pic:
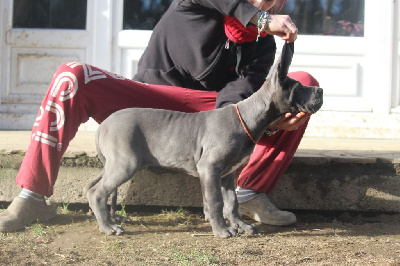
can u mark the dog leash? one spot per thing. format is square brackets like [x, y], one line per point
[243, 125]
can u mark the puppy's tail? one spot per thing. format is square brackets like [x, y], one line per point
[93, 182]
[98, 149]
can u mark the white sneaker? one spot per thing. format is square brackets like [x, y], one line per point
[262, 210]
[23, 212]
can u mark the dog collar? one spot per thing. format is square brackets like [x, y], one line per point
[243, 125]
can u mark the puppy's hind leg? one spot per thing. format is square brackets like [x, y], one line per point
[93, 182]
[113, 209]
[115, 174]
[231, 206]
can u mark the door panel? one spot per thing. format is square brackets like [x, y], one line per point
[33, 68]
[37, 37]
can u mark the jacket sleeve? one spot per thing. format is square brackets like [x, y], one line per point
[243, 10]
[251, 72]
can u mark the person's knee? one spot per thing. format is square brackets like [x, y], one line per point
[304, 78]
[71, 67]
[65, 66]
[65, 81]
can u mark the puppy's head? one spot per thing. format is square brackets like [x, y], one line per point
[289, 95]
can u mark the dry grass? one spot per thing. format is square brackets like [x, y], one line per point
[166, 238]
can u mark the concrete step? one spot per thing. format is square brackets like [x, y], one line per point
[326, 174]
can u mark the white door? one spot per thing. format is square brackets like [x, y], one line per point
[38, 36]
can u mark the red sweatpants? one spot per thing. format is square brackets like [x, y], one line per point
[79, 91]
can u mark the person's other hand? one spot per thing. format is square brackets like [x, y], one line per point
[282, 26]
[290, 122]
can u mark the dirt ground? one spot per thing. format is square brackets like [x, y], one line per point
[180, 237]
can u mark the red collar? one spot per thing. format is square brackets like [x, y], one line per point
[243, 125]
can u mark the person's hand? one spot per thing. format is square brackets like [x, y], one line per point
[282, 26]
[290, 122]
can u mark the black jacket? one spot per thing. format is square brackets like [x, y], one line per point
[188, 48]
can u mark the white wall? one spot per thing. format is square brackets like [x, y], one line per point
[360, 76]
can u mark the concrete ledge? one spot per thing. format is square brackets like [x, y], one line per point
[346, 184]
[308, 184]
[317, 179]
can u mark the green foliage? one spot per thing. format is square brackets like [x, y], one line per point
[195, 257]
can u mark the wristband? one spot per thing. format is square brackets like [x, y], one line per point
[271, 132]
[262, 22]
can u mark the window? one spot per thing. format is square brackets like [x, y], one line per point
[143, 14]
[54, 14]
[327, 17]
[312, 17]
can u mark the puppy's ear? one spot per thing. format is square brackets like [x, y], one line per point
[285, 60]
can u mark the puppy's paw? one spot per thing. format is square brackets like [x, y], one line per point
[234, 230]
[248, 229]
[106, 230]
[119, 230]
[222, 233]
[112, 229]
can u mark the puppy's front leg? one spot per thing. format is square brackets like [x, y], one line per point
[231, 205]
[210, 181]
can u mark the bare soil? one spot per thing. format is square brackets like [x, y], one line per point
[182, 238]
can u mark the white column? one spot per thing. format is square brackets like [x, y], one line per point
[380, 67]
[118, 13]
[1, 50]
[5, 25]
[396, 38]
[99, 23]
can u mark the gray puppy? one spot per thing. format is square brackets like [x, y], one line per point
[209, 145]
